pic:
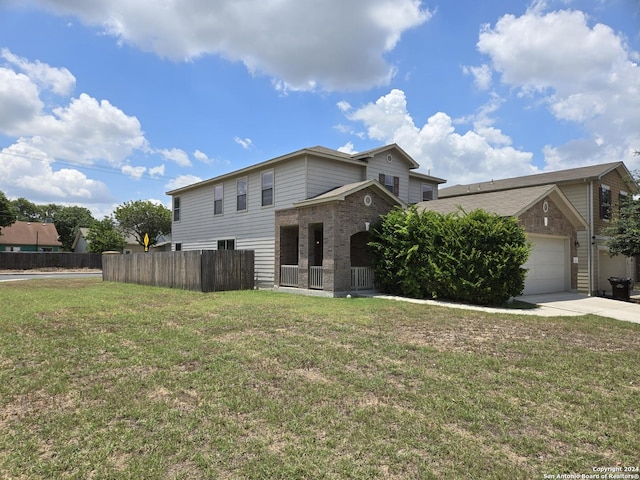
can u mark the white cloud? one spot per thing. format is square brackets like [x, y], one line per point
[59, 80]
[586, 74]
[483, 76]
[245, 143]
[202, 157]
[157, 171]
[134, 172]
[176, 155]
[331, 44]
[182, 181]
[437, 147]
[28, 172]
[20, 103]
[347, 148]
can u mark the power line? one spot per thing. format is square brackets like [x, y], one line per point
[96, 168]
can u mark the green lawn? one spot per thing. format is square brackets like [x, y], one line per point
[102, 380]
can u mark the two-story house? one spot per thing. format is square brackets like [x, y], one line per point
[306, 214]
[595, 192]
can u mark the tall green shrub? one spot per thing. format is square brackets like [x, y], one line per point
[475, 258]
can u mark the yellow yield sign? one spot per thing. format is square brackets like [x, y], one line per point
[146, 242]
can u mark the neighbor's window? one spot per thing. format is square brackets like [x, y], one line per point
[178, 246]
[176, 209]
[427, 192]
[242, 195]
[217, 199]
[267, 188]
[226, 244]
[391, 183]
[605, 202]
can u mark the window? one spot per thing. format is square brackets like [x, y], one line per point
[605, 202]
[178, 247]
[242, 195]
[176, 209]
[217, 199]
[427, 192]
[391, 183]
[267, 188]
[226, 244]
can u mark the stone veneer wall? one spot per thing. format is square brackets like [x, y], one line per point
[340, 220]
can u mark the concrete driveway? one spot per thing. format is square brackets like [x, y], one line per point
[558, 304]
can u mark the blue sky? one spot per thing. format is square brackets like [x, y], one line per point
[106, 101]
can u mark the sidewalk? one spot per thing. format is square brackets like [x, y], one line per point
[549, 305]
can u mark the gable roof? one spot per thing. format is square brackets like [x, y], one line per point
[360, 158]
[30, 233]
[507, 203]
[341, 193]
[593, 172]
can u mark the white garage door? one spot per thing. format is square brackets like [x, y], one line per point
[547, 266]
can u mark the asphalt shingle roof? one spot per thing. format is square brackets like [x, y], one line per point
[559, 177]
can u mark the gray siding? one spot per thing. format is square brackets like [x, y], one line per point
[396, 168]
[577, 195]
[415, 189]
[324, 175]
[253, 229]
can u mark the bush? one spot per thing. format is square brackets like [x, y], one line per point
[475, 258]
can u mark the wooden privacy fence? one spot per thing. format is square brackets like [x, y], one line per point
[199, 270]
[33, 260]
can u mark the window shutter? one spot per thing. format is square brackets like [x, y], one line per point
[396, 185]
[381, 178]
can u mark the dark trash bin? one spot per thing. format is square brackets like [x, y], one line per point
[621, 288]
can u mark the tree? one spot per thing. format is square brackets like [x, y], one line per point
[624, 229]
[7, 216]
[104, 236]
[26, 211]
[69, 220]
[142, 217]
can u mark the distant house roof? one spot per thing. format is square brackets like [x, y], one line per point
[30, 233]
[341, 193]
[593, 172]
[507, 203]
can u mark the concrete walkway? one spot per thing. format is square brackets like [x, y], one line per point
[580, 304]
[550, 305]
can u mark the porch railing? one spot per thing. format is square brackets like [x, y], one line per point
[361, 278]
[315, 277]
[289, 275]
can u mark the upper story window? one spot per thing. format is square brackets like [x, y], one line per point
[267, 188]
[241, 203]
[218, 193]
[391, 183]
[176, 209]
[605, 202]
[427, 192]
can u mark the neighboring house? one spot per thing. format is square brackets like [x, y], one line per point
[552, 225]
[594, 192]
[81, 245]
[305, 214]
[30, 237]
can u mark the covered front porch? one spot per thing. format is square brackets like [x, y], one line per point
[321, 244]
